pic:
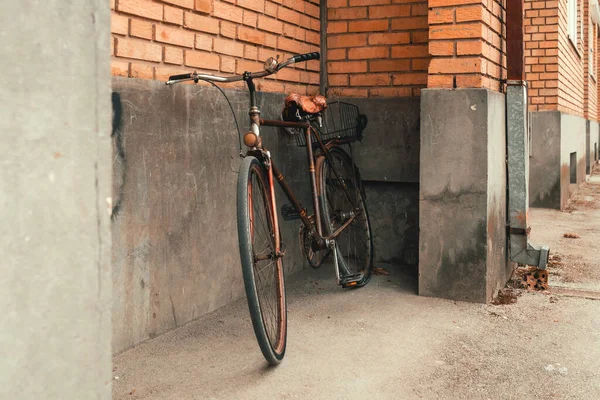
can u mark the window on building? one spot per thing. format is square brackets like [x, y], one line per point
[581, 22]
[572, 21]
[591, 52]
[573, 167]
[595, 51]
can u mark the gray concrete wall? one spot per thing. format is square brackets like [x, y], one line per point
[462, 205]
[573, 139]
[388, 158]
[55, 183]
[175, 253]
[555, 135]
[389, 151]
[394, 213]
[544, 159]
[592, 146]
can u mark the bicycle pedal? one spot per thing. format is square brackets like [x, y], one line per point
[351, 280]
[289, 213]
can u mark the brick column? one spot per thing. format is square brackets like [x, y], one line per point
[462, 205]
[376, 48]
[541, 54]
[467, 44]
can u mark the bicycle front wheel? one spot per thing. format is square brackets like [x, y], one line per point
[341, 198]
[262, 267]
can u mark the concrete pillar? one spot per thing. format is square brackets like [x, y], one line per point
[54, 184]
[591, 152]
[572, 155]
[462, 205]
[555, 138]
[544, 166]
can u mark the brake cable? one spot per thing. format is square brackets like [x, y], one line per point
[232, 112]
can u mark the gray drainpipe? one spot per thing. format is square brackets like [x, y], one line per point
[521, 250]
[323, 84]
[517, 143]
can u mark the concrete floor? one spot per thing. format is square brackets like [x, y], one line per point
[575, 262]
[385, 342]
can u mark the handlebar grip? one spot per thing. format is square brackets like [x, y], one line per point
[177, 77]
[308, 56]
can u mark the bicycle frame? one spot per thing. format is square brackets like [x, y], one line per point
[256, 122]
[271, 67]
[320, 156]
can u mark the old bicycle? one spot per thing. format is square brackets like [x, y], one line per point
[338, 229]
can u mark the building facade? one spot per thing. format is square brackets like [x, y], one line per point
[561, 57]
[431, 77]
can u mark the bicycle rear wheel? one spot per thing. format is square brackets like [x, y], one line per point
[338, 206]
[261, 266]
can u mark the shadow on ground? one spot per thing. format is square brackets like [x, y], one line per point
[381, 342]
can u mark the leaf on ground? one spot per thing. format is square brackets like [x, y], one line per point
[570, 235]
[506, 296]
[380, 271]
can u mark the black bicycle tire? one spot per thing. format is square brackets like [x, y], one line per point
[320, 172]
[247, 260]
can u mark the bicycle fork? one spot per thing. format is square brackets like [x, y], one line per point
[277, 238]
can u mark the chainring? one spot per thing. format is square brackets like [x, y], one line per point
[315, 259]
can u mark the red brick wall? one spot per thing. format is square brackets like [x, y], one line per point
[541, 53]
[596, 76]
[590, 89]
[593, 82]
[556, 68]
[467, 42]
[570, 66]
[153, 39]
[377, 47]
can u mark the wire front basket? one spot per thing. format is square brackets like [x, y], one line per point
[340, 121]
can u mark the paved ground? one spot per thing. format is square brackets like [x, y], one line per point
[575, 262]
[385, 342]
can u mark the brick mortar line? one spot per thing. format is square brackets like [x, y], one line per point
[129, 15]
[469, 56]
[183, 66]
[180, 47]
[213, 35]
[465, 40]
[179, 7]
[184, 28]
[469, 74]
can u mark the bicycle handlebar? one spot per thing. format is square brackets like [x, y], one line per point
[213, 78]
[307, 57]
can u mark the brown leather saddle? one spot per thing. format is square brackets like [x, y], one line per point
[297, 106]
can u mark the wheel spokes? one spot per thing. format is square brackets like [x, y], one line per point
[354, 241]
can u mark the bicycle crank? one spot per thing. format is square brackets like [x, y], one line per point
[314, 258]
[346, 280]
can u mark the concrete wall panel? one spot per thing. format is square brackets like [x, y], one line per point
[176, 156]
[462, 242]
[592, 146]
[573, 140]
[389, 151]
[54, 186]
[394, 215]
[174, 224]
[544, 167]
